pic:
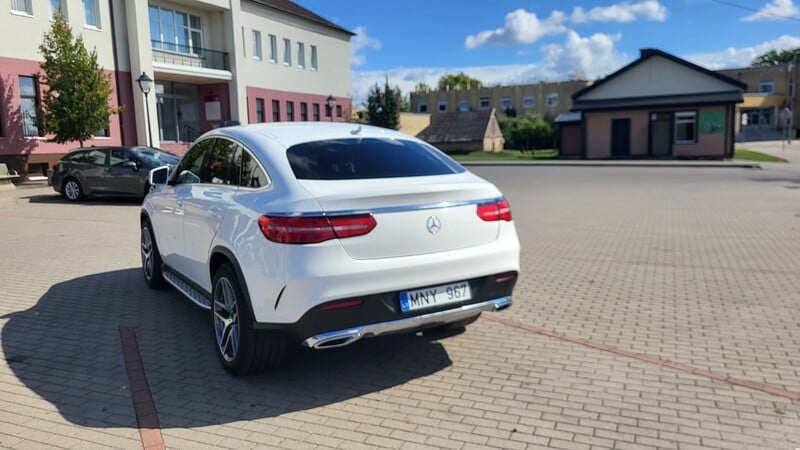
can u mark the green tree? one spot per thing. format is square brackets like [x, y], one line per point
[460, 81]
[384, 105]
[75, 101]
[774, 58]
[526, 133]
[422, 88]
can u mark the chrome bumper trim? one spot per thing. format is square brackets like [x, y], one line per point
[340, 338]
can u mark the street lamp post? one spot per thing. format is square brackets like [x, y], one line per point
[331, 103]
[145, 84]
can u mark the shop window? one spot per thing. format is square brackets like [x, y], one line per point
[685, 127]
[259, 110]
[29, 94]
[276, 111]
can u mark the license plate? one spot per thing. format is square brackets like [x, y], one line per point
[434, 296]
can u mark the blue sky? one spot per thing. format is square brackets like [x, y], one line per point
[513, 41]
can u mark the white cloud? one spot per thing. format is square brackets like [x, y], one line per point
[621, 12]
[775, 10]
[594, 56]
[742, 57]
[359, 42]
[521, 27]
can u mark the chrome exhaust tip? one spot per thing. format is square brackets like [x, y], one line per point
[333, 339]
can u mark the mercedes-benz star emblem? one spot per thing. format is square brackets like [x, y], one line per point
[434, 224]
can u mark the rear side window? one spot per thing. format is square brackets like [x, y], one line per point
[221, 167]
[95, 157]
[353, 159]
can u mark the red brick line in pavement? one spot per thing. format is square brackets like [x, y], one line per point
[146, 416]
[677, 266]
[772, 390]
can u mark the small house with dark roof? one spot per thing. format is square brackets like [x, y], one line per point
[659, 106]
[464, 132]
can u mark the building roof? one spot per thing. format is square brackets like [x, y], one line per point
[688, 100]
[453, 127]
[569, 117]
[296, 10]
[646, 54]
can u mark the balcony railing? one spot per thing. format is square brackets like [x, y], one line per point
[184, 55]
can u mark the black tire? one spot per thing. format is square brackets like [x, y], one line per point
[241, 349]
[72, 190]
[151, 258]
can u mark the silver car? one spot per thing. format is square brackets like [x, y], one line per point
[107, 171]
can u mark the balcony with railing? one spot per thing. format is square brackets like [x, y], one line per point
[184, 55]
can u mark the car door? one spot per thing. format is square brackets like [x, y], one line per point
[205, 208]
[92, 165]
[168, 206]
[124, 175]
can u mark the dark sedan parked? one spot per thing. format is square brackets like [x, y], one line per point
[107, 171]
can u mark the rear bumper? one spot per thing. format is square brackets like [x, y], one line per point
[340, 338]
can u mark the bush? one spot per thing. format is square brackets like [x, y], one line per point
[526, 133]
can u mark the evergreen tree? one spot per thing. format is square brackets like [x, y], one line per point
[75, 101]
[384, 105]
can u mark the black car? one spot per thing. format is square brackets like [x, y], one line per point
[107, 171]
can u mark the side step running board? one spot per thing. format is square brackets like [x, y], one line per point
[187, 290]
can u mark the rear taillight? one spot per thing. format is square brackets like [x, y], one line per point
[311, 230]
[493, 211]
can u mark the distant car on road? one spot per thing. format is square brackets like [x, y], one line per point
[107, 171]
[321, 234]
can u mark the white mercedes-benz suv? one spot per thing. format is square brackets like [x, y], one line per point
[320, 234]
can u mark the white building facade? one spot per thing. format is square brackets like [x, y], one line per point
[212, 62]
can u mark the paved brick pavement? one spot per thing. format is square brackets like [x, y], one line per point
[696, 266]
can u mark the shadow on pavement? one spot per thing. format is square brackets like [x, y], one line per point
[55, 198]
[67, 350]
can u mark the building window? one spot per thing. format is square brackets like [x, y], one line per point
[287, 52]
[257, 45]
[57, 6]
[313, 57]
[290, 111]
[685, 127]
[483, 103]
[29, 94]
[273, 48]
[442, 105]
[22, 7]
[315, 111]
[338, 110]
[301, 55]
[506, 103]
[91, 13]
[304, 111]
[422, 107]
[259, 110]
[552, 100]
[176, 31]
[766, 87]
[276, 111]
[528, 102]
[463, 105]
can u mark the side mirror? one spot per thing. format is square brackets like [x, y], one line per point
[158, 176]
[131, 165]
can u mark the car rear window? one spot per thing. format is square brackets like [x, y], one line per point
[353, 159]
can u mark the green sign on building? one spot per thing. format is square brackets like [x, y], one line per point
[712, 122]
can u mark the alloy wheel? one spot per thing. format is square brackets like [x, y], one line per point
[72, 190]
[226, 319]
[147, 253]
